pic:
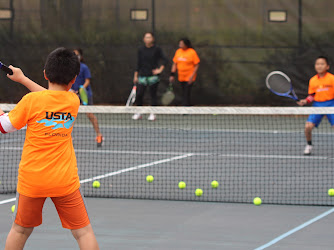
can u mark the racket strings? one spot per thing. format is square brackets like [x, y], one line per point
[279, 84]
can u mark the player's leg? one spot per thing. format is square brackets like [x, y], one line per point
[17, 237]
[139, 99]
[27, 215]
[186, 94]
[183, 86]
[85, 238]
[73, 215]
[92, 118]
[312, 121]
[154, 99]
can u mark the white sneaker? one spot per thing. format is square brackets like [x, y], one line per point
[308, 149]
[136, 116]
[152, 117]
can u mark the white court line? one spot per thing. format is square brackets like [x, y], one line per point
[136, 168]
[192, 154]
[296, 229]
[7, 201]
[121, 171]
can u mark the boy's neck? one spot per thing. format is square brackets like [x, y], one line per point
[57, 87]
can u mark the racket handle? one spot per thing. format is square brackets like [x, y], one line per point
[6, 69]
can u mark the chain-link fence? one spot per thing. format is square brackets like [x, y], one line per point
[238, 41]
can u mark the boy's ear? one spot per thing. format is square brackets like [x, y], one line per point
[46, 78]
[69, 86]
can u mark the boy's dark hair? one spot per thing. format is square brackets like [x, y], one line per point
[187, 42]
[151, 33]
[81, 58]
[323, 57]
[61, 66]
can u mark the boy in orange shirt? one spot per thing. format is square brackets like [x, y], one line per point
[48, 166]
[321, 93]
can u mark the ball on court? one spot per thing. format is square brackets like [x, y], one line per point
[13, 208]
[182, 185]
[257, 201]
[96, 184]
[199, 192]
[149, 178]
[214, 184]
[331, 192]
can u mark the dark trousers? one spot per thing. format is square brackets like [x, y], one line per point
[141, 91]
[186, 90]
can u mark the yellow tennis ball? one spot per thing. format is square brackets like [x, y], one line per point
[149, 178]
[96, 184]
[331, 192]
[13, 208]
[214, 184]
[257, 201]
[182, 185]
[199, 192]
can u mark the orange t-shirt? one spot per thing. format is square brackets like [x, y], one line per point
[185, 61]
[48, 166]
[323, 88]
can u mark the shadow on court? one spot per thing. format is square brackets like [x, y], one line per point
[147, 224]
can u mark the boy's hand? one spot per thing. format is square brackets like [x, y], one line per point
[17, 75]
[302, 102]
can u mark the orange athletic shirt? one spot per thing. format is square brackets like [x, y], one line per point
[323, 88]
[48, 166]
[185, 61]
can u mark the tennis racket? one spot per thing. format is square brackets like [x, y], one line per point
[83, 95]
[5, 68]
[168, 96]
[132, 97]
[280, 84]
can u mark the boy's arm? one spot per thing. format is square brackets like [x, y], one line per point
[19, 77]
[5, 124]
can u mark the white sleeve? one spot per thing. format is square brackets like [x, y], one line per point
[5, 124]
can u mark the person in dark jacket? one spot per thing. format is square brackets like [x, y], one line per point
[147, 73]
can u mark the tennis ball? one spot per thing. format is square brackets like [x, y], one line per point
[199, 192]
[149, 178]
[214, 184]
[96, 184]
[257, 201]
[182, 185]
[331, 192]
[13, 208]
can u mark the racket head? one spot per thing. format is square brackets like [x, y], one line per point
[280, 84]
[83, 95]
[132, 97]
[168, 96]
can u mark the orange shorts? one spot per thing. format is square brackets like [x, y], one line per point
[71, 210]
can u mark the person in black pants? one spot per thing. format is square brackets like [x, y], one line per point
[148, 71]
[186, 63]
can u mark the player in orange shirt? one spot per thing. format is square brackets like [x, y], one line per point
[48, 166]
[321, 93]
[186, 62]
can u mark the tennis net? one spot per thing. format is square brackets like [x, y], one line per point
[255, 151]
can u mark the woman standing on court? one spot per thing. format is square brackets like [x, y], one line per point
[83, 80]
[186, 63]
[148, 71]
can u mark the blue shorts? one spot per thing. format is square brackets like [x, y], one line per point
[316, 119]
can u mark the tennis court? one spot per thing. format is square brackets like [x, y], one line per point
[147, 224]
[249, 155]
